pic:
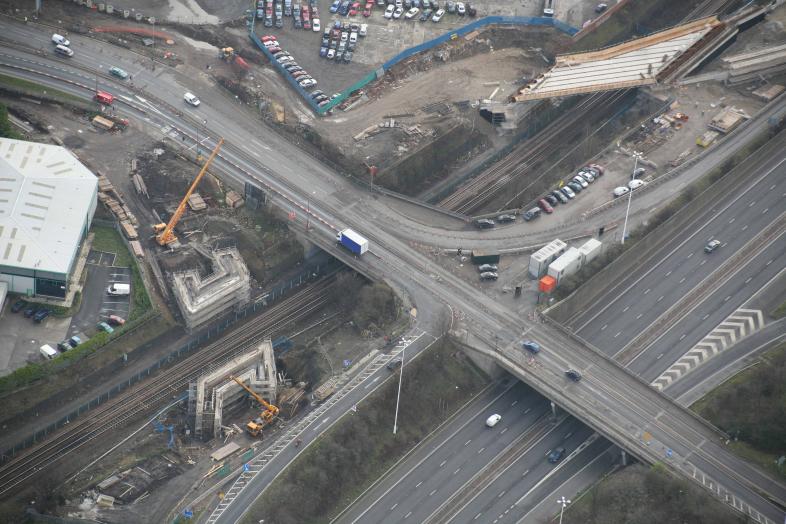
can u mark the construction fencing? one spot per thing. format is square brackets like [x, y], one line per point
[425, 46]
[309, 273]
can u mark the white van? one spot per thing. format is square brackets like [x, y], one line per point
[119, 289]
[48, 351]
[63, 50]
[60, 40]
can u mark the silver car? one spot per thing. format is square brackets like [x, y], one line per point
[488, 275]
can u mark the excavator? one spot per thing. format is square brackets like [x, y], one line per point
[254, 427]
[165, 232]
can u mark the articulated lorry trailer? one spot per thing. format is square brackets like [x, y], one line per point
[352, 241]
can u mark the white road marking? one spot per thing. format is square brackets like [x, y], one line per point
[604, 327]
[467, 442]
[393, 506]
[481, 450]
[648, 290]
[690, 255]
[618, 334]
[503, 431]
[443, 463]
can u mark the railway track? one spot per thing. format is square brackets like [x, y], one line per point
[497, 178]
[145, 396]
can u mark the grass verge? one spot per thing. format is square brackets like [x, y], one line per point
[648, 496]
[27, 88]
[751, 408]
[334, 470]
[780, 312]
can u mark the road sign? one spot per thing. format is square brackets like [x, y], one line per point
[187, 513]
[245, 466]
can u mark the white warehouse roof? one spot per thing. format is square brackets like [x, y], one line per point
[45, 196]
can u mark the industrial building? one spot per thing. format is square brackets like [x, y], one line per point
[213, 395]
[47, 202]
[203, 299]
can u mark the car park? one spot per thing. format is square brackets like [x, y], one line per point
[398, 12]
[493, 420]
[412, 13]
[559, 195]
[635, 184]
[532, 214]
[116, 71]
[484, 223]
[712, 245]
[619, 191]
[191, 99]
[484, 268]
[488, 275]
[572, 374]
[41, 314]
[556, 455]
[532, 347]
[503, 219]
[18, 306]
[568, 192]
[389, 11]
[545, 206]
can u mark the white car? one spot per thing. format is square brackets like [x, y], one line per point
[580, 181]
[493, 420]
[271, 43]
[344, 36]
[398, 12]
[353, 38]
[635, 184]
[191, 99]
[389, 11]
[315, 25]
[412, 13]
[438, 15]
[619, 191]
[363, 30]
[331, 54]
[460, 9]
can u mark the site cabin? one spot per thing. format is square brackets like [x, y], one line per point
[103, 97]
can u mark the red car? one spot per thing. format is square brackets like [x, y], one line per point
[545, 206]
[268, 38]
[274, 49]
[367, 10]
[354, 9]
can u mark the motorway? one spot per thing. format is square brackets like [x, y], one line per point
[609, 399]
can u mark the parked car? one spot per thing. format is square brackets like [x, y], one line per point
[532, 214]
[103, 326]
[64, 346]
[493, 420]
[485, 268]
[347, 57]
[568, 192]
[398, 12]
[586, 175]
[425, 15]
[316, 25]
[575, 186]
[116, 71]
[412, 13]
[484, 223]
[572, 374]
[363, 30]
[471, 11]
[545, 206]
[41, 314]
[488, 275]
[580, 181]
[556, 455]
[323, 51]
[601, 7]
[635, 184]
[268, 38]
[353, 38]
[712, 245]
[460, 9]
[559, 195]
[597, 167]
[551, 199]
[532, 347]
[334, 6]
[18, 306]
[115, 320]
[619, 191]
[354, 9]
[639, 172]
[451, 5]
[74, 341]
[29, 312]
[389, 11]
[438, 15]
[503, 219]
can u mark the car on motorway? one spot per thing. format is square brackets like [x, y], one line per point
[60, 40]
[389, 11]
[556, 455]
[545, 206]
[493, 420]
[635, 184]
[412, 13]
[484, 223]
[532, 214]
[438, 15]
[191, 99]
[18, 306]
[559, 195]
[41, 314]
[489, 275]
[507, 218]
[620, 191]
[116, 71]
[483, 268]
[568, 192]
[712, 245]
[63, 50]
[572, 374]
[532, 347]
[393, 365]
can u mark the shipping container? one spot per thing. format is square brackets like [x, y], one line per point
[591, 249]
[540, 260]
[565, 265]
[352, 241]
[482, 257]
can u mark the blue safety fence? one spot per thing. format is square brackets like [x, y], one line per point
[451, 35]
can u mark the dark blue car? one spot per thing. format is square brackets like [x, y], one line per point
[323, 51]
[334, 6]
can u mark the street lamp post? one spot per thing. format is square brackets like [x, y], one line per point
[564, 503]
[413, 317]
[630, 196]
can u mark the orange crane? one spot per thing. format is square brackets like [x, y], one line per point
[166, 231]
[254, 427]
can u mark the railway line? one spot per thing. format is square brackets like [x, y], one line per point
[478, 191]
[147, 395]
